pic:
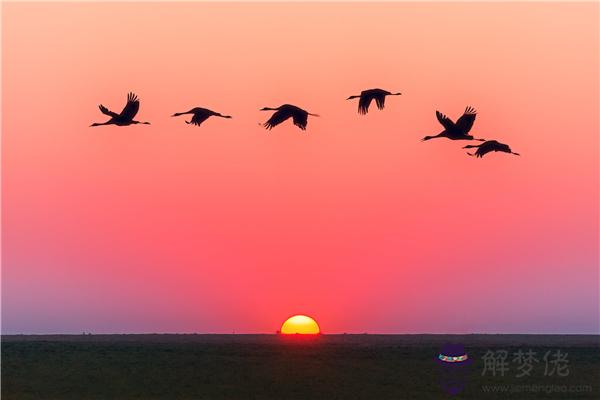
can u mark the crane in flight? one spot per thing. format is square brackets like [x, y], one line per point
[284, 112]
[458, 130]
[366, 96]
[489, 146]
[126, 116]
[200, 115]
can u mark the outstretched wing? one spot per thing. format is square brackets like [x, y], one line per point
[486, 147]
[277, 118]
[106, 111]
[482, 151]
[380, 100]
[363, 103]
[465, 122]
[199, 118]
[131, 108]
[301, 119]
[445, 121]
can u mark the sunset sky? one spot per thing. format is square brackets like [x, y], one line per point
[228, 227]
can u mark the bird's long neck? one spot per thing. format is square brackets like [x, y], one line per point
[435, 136]
[353, 97]
[100, 123]
[183, 113]
[270, 109]
[395, 94]
[222, 116]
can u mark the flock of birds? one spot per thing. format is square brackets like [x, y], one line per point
[458, 130]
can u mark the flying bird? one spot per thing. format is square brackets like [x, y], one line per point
[126, 116]
[200, 115]
[458, 130]
[366, 96]
[286, 111]
[489, 146]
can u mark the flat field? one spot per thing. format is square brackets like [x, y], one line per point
[345, 367]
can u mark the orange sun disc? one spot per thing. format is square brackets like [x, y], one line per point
[300, 324]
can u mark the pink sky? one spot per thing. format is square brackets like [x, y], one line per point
[228, 227]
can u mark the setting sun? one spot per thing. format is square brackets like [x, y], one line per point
[300, 324]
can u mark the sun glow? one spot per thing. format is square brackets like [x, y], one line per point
[300, 324]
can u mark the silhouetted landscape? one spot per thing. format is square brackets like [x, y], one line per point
[273, 366]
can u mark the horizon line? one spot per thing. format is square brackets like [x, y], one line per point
[278, 334]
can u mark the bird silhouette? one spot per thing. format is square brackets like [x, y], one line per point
[286, 111]
[489, 146]
[366, 96]
[126, 116]
[458, 130]
[200, 115]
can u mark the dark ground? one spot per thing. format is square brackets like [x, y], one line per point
[276, 367]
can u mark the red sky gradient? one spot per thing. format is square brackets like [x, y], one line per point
[229, 227]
